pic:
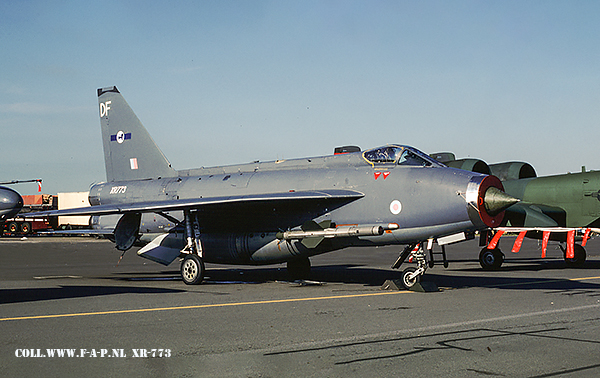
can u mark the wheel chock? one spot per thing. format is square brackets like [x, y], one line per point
[425, 287]
[420, 287]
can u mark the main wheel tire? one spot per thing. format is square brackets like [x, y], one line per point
[192, 270]
[491, 259]
[579, 256]
[299, 268]
[407, 282]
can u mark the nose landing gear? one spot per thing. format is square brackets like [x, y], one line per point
[412, 276]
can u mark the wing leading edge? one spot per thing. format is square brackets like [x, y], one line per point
[271, 199]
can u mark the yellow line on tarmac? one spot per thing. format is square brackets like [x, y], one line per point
[584, 278]
[233, 304]
[199, 306]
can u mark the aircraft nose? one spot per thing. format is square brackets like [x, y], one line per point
[11, 203]
[496, 201]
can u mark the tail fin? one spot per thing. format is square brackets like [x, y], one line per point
[129, 151]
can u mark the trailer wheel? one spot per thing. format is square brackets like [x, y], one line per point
[13, 227]
[26, 227]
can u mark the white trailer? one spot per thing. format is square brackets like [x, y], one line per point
[71, 200]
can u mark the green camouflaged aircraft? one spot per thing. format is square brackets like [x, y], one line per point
[569, 200]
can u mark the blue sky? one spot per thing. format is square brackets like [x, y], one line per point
[225, 82]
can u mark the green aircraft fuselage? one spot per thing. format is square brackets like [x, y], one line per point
[566, 200]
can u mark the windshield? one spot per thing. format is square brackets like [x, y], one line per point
[387, 154]
[411, 158]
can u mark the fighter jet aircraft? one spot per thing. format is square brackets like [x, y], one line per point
[551, 207]
[11, 203]
[284, 210]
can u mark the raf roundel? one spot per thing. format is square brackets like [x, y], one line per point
[395, 207]
[120, 137]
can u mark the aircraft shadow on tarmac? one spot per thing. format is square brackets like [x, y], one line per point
[374, 277]
[323, 274]
[513, 283]
[534, 265]
[349, 273]
[75, 291]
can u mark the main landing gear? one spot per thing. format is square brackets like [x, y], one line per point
[192, 266]
[579, 256]
[491, 259]
[192, 269]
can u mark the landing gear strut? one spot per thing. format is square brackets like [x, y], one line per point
[192, 266]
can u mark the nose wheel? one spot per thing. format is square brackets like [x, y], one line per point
[411, 276]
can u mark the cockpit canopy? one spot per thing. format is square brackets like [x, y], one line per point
[399, 155]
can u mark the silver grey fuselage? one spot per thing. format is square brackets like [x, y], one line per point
[432, 203]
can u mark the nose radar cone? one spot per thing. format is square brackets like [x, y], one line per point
[496, 201]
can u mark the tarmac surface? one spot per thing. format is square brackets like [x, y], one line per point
[532, 318]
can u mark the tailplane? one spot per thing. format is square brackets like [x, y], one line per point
[129, 151]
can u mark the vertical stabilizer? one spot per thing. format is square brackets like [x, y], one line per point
[129, 151]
